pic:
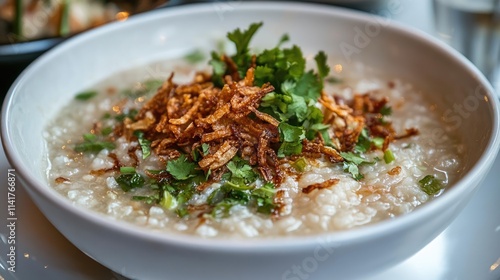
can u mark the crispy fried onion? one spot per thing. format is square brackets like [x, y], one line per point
[183, 118]
[348, 120]
[326, 184]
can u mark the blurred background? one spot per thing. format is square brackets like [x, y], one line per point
[28, 28]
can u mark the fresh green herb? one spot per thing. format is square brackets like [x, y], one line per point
[86, 95]
[130, 181]
[222, 209]
[241, 169]
[91, 144]
[89, 137]
[300, 164]
[168, 201]
[352, 162]
[181, 168]
[378, 142]
[364, 142]
[144, 143]
[291, 137]
[388, 156]
[106, 131]
[195, 56]
[241, 40]
[127, 170]
[430, 185]
[386, 111]
[263, 198]
[219, 69]
[205, 149]
[321, 62]
[182, 201]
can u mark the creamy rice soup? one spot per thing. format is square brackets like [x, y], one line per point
[251, 146]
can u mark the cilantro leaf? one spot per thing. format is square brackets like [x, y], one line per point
[263, 198]
[386, 110]
[205, 148]
[323, 68]
[181, 168]
[241, 169]
[353, 169]
[308, 86]
[242, 39]
[219, 69]
[92, 144]
[352, 162]
[144, 143]
[364, 142]
[130, 181]
[290, 133]
[284, 38]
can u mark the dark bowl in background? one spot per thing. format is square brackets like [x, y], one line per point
[15, 57]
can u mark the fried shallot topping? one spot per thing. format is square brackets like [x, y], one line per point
[250, 123]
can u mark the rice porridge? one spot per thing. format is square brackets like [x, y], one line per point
[241, 157]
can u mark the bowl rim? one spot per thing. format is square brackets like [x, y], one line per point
[356, 235]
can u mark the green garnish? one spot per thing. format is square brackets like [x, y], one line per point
[364, 142]
[241, 169]
[321, 62]
[181, 168]
[86, 95]
[263, 198]
[127, 170]
[386, 111]
[106, 131]
[352, 162]
[292, 137]
[144, 143]
[378, 142]
[293, 103]
[130, 181]
[168, 201]
[195, 56]
[205, 148]
[388, 156]
[300, 164]
[91, 144]
[430, 185]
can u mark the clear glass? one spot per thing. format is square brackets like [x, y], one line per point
[473, 28]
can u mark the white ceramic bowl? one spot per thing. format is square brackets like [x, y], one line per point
[348, 37]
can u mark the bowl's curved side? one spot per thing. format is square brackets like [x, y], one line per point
[52, 80]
